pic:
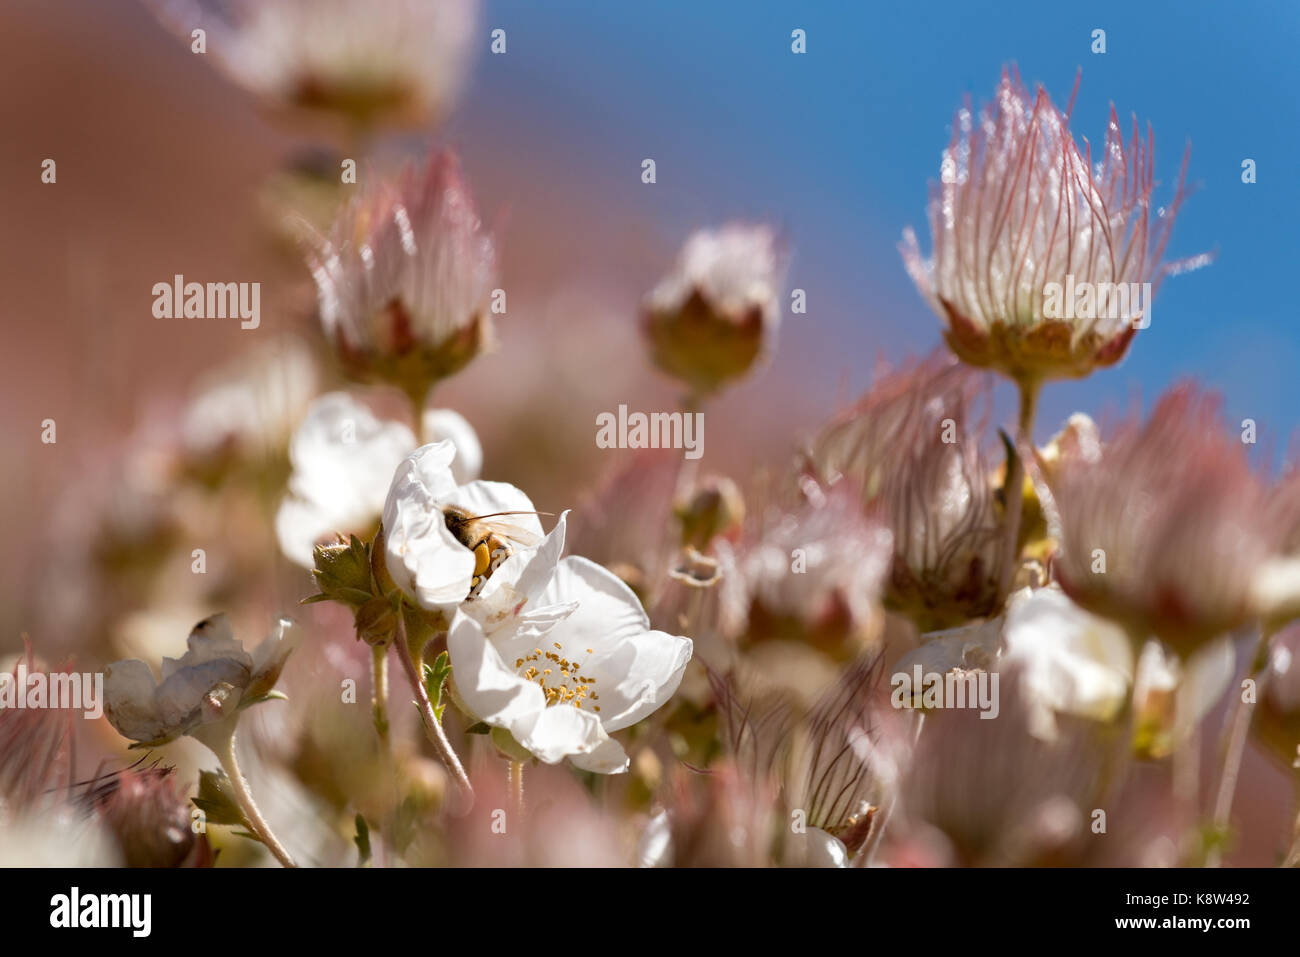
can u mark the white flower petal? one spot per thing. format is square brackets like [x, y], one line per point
[1074, 662]
[446, 425]
[557, 732]
[510, 590]
[492, 690]
[343, 462]
[129, 688]
[608, 757]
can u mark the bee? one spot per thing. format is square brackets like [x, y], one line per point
[489, 541]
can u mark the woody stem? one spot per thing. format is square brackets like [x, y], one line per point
[432, 726]
[1235, 743]
[225, 752]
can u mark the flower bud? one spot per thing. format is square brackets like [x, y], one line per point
[714, 507]
[342, 572]
[716, 313]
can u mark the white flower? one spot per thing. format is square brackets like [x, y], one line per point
[250, 406]
[581, 662]
[814, 848]
[447, 425]
[343, 461]
[213, 680]
[426, 561]
[1172, 695]
[1074, 662]
[398, 60]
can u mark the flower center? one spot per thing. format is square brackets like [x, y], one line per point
[561, 679]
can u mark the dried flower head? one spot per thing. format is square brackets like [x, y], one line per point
[1017, 208]
[911, 449]
[212, 681]
[404, 278]
[717, 311]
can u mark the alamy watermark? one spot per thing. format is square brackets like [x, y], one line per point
[652, 430]
[179, 299]
[930, 690]
[67, 691]
[1130, 301]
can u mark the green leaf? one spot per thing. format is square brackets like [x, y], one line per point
[216, 800]
[435, 676]
[362, 841]
[269, 696]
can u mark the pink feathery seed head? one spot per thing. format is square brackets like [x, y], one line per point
[1021, 218]
[405, 277]
[35, 743]
[911, 446]
[150, 817]
[1165, 527]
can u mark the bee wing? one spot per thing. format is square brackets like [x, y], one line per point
[520, 536]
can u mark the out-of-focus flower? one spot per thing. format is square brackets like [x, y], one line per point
[1165, 529]
[1277, 717]
[720, 818]
[434, 550]
[395, 61]
[561, 825]
[717, 311]
[911, 451]
[1073, 662]
[1171, 696]
[149, 818]
[813, 573]
[832, 779]
[35, 744]
[343, 461]
[447, 425]
[213, 680]
[714, 507]
[1017, 208]
[584, 662]
[61, 836]
[973, 647]
[989, 793]
[248, 410]
[404, 278]
[813, 847]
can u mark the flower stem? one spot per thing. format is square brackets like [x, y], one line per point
[1293, 855]
[1014, 488]
[432, 726]
[1235, 744]
[379, 696]
[517, 788]
[225, 752]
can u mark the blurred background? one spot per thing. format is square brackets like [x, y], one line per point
[161, 163]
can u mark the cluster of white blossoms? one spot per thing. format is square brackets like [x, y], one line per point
[556, 651]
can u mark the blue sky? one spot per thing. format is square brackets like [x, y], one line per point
[838, 145]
